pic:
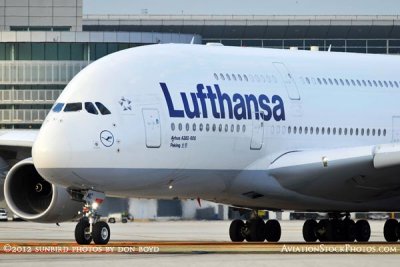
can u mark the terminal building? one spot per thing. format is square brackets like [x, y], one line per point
[45, 43]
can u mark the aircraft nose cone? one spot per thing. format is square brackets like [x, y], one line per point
[51, 151]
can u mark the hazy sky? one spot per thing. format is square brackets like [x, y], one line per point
[256, 7]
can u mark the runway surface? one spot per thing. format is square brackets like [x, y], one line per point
[183, 243]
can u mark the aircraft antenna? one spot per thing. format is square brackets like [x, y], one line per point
[330, 47]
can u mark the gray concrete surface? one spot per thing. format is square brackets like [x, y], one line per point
[181, 231]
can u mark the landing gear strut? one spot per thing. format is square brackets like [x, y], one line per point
[255, 230]
[89, 226]
[338, 228]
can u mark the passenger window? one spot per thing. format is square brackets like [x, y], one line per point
[317, 130]
[234, 77]
[369, 83]
[222, 76]
[201, 127]
[362, 132]
[379, 132]
[72, 107]
[103, 110]
[58, 107]
[245, 78]
[228, 77]
[358, 82]
[216, 76]
[328, 131]
[345, 131]
[232, 128]
[237, 128]
[391, 84]
[340, 131]
[173, 126]
[311, 130]
[334, 131]
[240, 77]
[244, 128]
[375, 84]
[220, 128]
[323, 130]
[294, 129]
[207, 127]
[353, 82]
[306, 130]
[319, 80]
[214, 127]
[373, 132]
[347, 82]
[336, 82]
[324, 81]
[364, 83]
[385, 83]
[342, 82]
[180, 126]
[300, 130]
[194, 127]
[187, 127]
[308, 80]
[396, 84]
[289, 130]
[91, 108]
[351, 131]
[368, 132]
[226, 127]
[356, 131]
[330, 81]
[384, 132]
[380, 83]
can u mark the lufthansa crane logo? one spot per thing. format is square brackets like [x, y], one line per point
[107, 138]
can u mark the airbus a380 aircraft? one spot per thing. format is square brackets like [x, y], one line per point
[252, 128]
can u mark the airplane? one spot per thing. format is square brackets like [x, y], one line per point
[254, 128]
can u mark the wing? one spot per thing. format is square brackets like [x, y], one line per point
[352, 174]
[15, 145]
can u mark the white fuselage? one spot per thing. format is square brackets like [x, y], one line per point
[152, 146]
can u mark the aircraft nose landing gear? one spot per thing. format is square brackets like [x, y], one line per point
[89, 227]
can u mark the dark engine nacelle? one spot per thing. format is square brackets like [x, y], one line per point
[32, 198]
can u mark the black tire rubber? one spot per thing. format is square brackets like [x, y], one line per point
[236, 231]
[309, 230]
[256, 230]
[324, 231]
[390, 230]
[82, 236]
[349, 228]
[363, 231]
[101, 233]
[273, 231]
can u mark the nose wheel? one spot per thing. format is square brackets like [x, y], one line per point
[90, 228]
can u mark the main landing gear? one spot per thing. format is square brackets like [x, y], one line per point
[255, 230]
[338, 228]
[89, 226]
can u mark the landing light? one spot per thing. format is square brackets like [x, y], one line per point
[95, 205]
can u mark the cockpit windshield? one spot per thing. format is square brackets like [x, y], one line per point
[90, 107]
[103, 110]
[58, 107]
[72, 107]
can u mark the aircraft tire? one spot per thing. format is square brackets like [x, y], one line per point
[390, 230]
[309, 228]
[101, 233]
[273, 231]
[236, 230]
[363, 231]
[82, 232]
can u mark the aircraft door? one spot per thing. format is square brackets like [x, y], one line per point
[288, 81]
[257, 137]
[396, 129]
[152, 126]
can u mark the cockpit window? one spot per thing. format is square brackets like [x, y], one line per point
[103, 110]
[71, 107]
[91, 108]
[58, 107]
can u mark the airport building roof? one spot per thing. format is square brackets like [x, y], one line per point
[256, 26]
